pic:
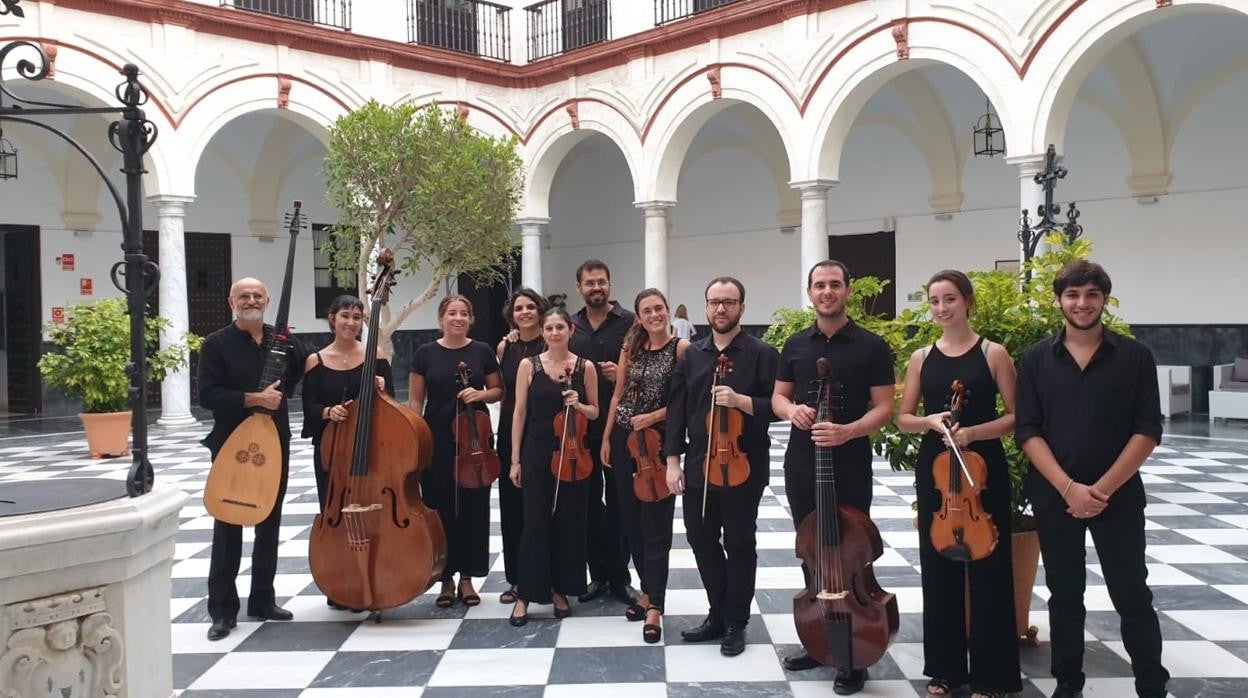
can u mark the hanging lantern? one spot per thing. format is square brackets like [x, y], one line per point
[8, 158]
[989, 136]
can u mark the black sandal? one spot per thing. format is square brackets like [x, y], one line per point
[445, 600]
[562, 612]
[986, 694]
[938, 687]
[469, 600]
[635, 613]
[653, 632]
[508, 597]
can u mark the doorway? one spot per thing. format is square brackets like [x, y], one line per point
[870, 254]
[488, 300]
[21, 334]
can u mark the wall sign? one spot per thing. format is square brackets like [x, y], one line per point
[85, 286]
[66, 261]
[58, 315]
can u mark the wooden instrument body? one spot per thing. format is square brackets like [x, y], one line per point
[406, 550]
[650, 478]
[571, 461]
[962, 529]
[476, 462]
[854, 631]
[727, 464]
[246, 475]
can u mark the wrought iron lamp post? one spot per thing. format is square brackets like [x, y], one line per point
[1030, 237]
[8, 158]
[136, 275]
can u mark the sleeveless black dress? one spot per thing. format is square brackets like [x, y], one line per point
[510, 499]
[993, 646]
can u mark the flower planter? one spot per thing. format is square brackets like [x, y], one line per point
[1026, 553]
[108, 433]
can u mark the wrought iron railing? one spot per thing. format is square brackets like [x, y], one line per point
[469, 26]
[331, 13]
[669, 10]
[558, 26]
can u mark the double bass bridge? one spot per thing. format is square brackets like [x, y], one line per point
[826, 595]
[360, 509]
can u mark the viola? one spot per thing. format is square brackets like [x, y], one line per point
[650, 477]
[572, 462]
[727, 464]
[962, 529]
[844, 618]
[476, 462]
[376, 545]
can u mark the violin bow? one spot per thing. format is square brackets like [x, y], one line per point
[563, 439]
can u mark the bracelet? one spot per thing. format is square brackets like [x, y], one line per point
[1072, 481]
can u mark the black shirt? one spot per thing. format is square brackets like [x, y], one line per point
[602, 344]
[753, 374]
[859, 360]
[1086, 416]
[230, 364]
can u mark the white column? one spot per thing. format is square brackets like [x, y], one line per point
[175, 391]
[814, 227]
[1030, 195]
[656, 242]
[531, 252]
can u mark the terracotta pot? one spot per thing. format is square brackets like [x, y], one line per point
[108, 433]
[1026, 552]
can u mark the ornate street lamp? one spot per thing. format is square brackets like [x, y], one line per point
[1030, 237]
[989, 136]
[8, 158]
[136, 275]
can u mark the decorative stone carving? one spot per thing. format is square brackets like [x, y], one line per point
[1164, 3]
[717, 89]
[462, 111]
[283, 92]
[574, 114]
[50, 51]
[62, 646]
[901, 35]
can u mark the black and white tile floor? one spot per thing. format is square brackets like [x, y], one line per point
[1198, 547]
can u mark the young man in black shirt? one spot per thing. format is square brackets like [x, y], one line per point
[728, 570]
[600, 329]
[1088, 417]
[230, 365]
[862, 369]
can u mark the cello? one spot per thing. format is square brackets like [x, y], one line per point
[572, 461]
[650, 477]
[844, 619]
[476, 461]
[376, 545]
[727, 464]
[962, 529]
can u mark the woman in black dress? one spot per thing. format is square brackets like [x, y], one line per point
[331, 381]
[552, 547]
[523, 313]
[646, 361]
[985, 369]
[433, 391]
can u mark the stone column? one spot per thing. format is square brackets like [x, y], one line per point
[656, 242]
[1030, 195]
[175, 391]
[814, 244]
[531, 252]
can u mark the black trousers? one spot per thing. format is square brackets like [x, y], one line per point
[510, 512]
[552, 546]
[465, 515]
[728, 570]
[1118, 534]
[647, 525]
[607, 553]
[227, 554]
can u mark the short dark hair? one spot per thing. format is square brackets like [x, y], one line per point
[524, 292]
[959, 280]
[345, 301]
[725, 280]
[1081, 272]
[832, 263]
[592, 265]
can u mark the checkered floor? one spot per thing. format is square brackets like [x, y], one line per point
[1198, 544]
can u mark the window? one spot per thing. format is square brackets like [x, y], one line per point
[326, 287]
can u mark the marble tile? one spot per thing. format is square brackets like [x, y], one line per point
[1214, 625]
[188, 667]
[597, 665]
[895, 688]
[729, 689]
[513, 667]
[1196, 659]
[1203, 554]
[298, 637]
[704, 663]
[402, 635]
[363, 692]
[363, 669]
[607, 690]
[264, 670]
[192, 638]
[602, 631]
[482, 634]
[1216, 536]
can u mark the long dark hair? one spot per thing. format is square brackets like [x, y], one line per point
[637, 336]
[524, 292]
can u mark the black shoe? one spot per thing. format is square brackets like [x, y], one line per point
[733, 642]
[849, 682]
[711, 629]
[273, 612]
[593, 591]
[625, 594]
[519, 620]
[1067, 691]
[564, 612]
[220, 629]
[800, 662]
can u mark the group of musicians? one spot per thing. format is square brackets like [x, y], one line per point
[1083, 406]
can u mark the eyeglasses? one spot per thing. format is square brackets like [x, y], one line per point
[730, 304]
[596, 283]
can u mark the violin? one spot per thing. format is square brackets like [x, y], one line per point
[962, 529]
[476, 462]
[844, 618]
[572, 462]
[726, 462]
[650, 478]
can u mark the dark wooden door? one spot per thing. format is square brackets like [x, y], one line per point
[488, 300]
[23, 308]
[870, 254]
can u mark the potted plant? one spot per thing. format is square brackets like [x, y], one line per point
[91, 367]
[1009, 309]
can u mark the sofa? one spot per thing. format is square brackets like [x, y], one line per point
[1229, 397]
[1174, 386]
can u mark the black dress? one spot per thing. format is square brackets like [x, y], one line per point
[647, 525]
[324, 386]
[552, 548]
[993, 642]
[510, 498]
[465, 513]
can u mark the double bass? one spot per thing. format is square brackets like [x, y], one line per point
[962, 529]
[844, 619]
[376, 545]
[650, 478]
[476, 461]
[572, 462]
[727, 464]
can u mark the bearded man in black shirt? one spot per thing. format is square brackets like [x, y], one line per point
[231, 362]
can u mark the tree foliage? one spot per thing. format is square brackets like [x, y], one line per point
[424, 183]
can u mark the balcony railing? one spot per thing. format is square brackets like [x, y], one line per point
[331, 13]
[558, 26]
[469, 26]
[669, 10]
